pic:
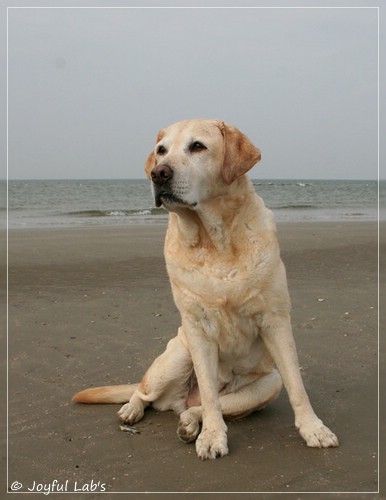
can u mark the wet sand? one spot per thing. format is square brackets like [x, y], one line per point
[93, 306]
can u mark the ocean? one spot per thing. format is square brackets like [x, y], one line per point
[71, 203]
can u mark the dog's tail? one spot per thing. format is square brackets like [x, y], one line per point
[106, 394]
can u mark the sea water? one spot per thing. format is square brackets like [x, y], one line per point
[67, 203]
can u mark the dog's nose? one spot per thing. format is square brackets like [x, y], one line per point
[161, 174]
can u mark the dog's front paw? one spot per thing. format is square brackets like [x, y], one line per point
[211, 443]
[317, 435]
[189, 426]
[132, 412]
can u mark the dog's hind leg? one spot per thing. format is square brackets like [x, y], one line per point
[164, 384]
[248, 398]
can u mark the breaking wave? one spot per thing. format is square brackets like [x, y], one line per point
[303, 206]
[117, 213]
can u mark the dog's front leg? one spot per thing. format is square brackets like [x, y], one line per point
[212, 441]
[278, 338]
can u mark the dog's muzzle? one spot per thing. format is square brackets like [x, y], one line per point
[162, 176]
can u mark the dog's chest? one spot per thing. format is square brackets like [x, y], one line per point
[210, 286]
[224, 302]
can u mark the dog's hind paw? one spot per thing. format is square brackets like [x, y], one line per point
[189, 426]
[211, 444]
[132, 412]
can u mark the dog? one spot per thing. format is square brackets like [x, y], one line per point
[235, 345]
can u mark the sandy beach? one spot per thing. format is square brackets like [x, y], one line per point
[93, 306]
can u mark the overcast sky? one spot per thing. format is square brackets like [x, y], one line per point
[90, 88]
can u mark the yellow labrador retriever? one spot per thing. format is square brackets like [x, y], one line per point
[230, 287]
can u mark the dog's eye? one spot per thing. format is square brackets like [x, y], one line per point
[161, 150]
[196, 146]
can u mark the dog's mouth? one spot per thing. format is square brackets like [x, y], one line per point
[168, 200]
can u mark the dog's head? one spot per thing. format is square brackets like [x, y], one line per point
[197, 159]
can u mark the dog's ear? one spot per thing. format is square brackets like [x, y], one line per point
[239, 153]
[150, 162]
